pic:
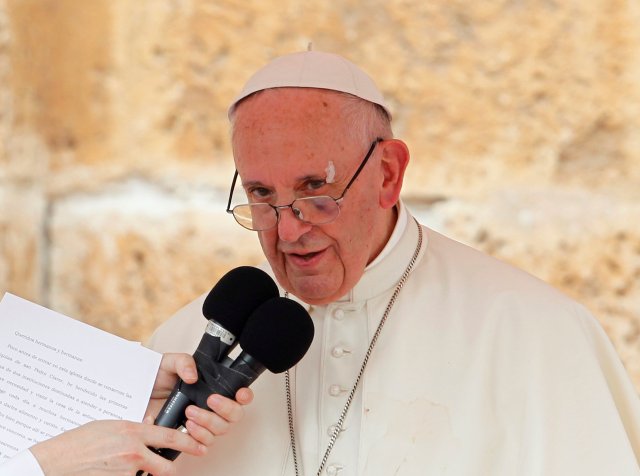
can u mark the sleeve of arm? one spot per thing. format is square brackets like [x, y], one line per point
[22, 464]
[620, 386]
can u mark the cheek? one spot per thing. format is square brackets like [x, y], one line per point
[357, 238]
[358, 226]
[268, 242]
[353, 243]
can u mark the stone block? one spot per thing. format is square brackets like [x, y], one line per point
[126, 259]
[22, 241]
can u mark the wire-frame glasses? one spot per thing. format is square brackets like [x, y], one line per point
[316, 210]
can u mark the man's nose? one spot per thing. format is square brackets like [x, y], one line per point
[291, 228]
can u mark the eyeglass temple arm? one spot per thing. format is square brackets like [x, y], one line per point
[233, 186]
[364, 162]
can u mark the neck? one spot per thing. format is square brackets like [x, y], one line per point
[387, 226]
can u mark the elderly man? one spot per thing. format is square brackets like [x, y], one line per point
[429, 357]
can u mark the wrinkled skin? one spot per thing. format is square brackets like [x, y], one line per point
[284, 140]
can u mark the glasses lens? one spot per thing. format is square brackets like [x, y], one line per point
[316, 210]
[255, 216]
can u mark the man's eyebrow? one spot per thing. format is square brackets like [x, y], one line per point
[253, 183]
[310, 177]
[303, 179]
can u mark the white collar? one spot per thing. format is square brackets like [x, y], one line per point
[398, 230]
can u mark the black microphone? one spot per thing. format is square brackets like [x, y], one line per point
[227, 308]
[275, 337]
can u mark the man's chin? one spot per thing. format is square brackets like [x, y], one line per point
[312, 290]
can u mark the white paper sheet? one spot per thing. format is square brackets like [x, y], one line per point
[57, 373]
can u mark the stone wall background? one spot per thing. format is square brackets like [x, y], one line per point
[523, 118]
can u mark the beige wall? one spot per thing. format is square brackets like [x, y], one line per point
[522, 117]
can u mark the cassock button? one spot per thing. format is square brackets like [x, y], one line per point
[334, 469]
[336, 390]
[338, 351]
[338, 314]
[332, 429]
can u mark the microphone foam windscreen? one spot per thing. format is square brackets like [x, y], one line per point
[278, 334]
[237, 295]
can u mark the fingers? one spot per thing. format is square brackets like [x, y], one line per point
[181, 364]
[152, 463]
[160, 437]
[244, 396]
[230, 410]
[153, 409]
[200, 432]
[204, 425]
[199, 419]
[113, 447]
[173, 366]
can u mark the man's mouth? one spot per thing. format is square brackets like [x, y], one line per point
[306, 256]
[305, 259]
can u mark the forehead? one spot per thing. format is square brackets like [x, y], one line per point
[301, 106]
[289, 128]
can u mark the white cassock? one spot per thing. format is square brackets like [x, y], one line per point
[480, 369]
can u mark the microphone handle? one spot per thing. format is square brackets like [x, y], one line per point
[172, 413]
[213, 377]
[171, 416]
[216, 343]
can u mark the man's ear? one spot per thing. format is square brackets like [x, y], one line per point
[395, 158]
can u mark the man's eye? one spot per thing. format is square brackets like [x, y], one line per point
[259, 193]
[315, 184]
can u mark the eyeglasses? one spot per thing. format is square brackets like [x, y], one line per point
[318, 210]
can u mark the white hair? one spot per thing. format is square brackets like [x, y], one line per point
[368, 120]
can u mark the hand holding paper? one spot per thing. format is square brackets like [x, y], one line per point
[102, 447]
[57, 373]
[62, 377]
